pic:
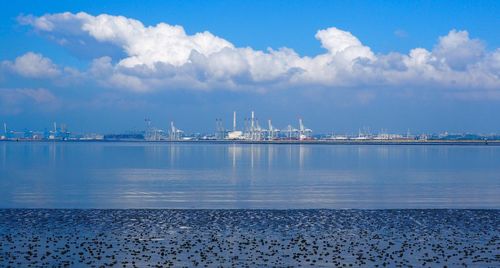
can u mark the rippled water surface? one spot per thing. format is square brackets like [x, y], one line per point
[195, 175]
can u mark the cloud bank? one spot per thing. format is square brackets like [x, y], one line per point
[12, 100]
[163, 57]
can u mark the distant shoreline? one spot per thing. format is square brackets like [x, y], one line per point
[290, 142]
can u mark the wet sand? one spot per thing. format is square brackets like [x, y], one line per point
[249, 238]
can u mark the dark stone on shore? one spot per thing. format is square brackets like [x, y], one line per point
[247, 238]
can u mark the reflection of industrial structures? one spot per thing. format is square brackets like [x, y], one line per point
[250, 130]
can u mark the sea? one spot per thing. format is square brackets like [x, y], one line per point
[190, 204]
[187, 175]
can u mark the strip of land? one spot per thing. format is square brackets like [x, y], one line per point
[324, 142]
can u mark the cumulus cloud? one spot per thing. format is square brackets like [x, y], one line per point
[14, 100]
[33, 65]
[164, 56]
[458, 50]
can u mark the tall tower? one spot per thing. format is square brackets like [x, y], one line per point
[252, 121]
[148, 133]
[234, 121]
[271, 130]
[173, 131]
[219, 129]
[252, 126]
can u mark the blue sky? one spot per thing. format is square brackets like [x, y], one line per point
[364, 75]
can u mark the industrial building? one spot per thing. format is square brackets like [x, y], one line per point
[252, 131]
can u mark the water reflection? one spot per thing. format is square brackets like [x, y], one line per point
[235, 151]
[3, 147]
[123, 175]
[303, 154]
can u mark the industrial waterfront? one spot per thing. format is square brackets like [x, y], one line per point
[250, 131]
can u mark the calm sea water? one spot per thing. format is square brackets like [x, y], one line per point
[163, 175]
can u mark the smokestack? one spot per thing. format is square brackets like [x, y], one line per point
[234, 121]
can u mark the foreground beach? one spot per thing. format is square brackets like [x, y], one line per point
[139, 238]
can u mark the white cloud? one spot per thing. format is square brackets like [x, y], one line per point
[164, 56]
[458, 50]
[15, 100]
[340, 42]
[33, 65]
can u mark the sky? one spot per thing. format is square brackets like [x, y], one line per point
[423, 66]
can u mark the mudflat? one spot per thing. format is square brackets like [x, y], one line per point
[249, 238]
